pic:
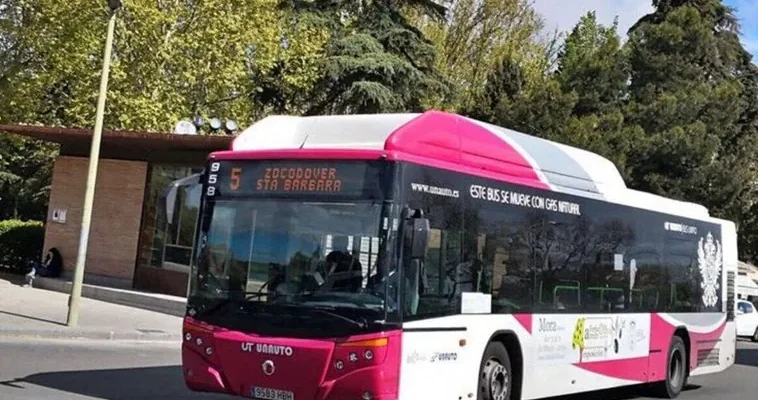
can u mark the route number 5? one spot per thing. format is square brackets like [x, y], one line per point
[235, 178]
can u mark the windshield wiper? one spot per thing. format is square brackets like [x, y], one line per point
[323, 310]
[230, 300]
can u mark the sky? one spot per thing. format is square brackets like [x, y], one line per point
[564, 14]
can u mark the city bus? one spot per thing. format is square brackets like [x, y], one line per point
[434, 256]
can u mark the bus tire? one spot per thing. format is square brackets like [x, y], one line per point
[495, 374]
[676, 370]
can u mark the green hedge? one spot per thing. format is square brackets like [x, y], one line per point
[20, 243]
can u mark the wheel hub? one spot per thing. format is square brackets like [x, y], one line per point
[495, 380]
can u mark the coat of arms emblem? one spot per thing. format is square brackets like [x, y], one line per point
[709, 258]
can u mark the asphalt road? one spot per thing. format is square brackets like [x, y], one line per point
[110, 371]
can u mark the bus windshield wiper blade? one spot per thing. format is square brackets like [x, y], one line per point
[226, 301]
[323, 310]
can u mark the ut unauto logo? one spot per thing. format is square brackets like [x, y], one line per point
[271, 349]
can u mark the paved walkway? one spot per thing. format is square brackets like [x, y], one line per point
[31, 312]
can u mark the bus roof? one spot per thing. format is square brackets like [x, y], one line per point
[438, 138]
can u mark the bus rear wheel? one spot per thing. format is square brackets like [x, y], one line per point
[676, 370]
[495, 377]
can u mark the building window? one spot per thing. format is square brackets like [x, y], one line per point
[168, 243]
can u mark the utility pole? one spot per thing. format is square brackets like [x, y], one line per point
[89, 195]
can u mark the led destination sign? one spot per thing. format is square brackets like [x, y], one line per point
[259, 178]
[299, 179]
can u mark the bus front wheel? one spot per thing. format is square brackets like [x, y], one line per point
[676, 370]
[495, 377]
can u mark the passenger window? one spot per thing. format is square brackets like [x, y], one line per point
[558, 245]
[649, 290]
[437, 292]
[497, 234]
[748, 308]
[474, 274]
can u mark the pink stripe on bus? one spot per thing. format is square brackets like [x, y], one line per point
[441, 138]
[307, 154]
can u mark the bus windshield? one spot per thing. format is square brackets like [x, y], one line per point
[284, 259]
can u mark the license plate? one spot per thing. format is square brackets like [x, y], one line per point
[271, 394]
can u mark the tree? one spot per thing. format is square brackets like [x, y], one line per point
[376, 60]
[593, 64]
[476, 37]
[25, 170]
[171, 59]
[693, 92]
[593, 67]
[535, 106]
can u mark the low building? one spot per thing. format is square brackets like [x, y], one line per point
[747, 281]
[131, 243]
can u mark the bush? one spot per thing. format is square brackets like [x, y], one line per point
[20, 243]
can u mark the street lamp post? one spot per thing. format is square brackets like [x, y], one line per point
[89, 195]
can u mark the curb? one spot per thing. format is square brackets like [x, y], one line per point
[91, 335]
[175, 306]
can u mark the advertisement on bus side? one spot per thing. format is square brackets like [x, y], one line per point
[572, 339]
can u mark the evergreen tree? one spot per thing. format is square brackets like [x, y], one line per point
[594, 65]
[535, 106]
[376, 60]
[693, 92]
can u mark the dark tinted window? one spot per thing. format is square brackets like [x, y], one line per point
[541, 251]
[508, 259]
[444, 276]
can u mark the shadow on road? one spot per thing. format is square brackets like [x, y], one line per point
[48, 321]
[748, 357]
[626, 393]
[167, 383]
[114, 384]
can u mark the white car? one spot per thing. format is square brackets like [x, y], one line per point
[747, 320]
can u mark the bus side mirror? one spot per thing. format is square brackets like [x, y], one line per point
[417, 237]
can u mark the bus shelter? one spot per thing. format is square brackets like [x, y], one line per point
[135, 243]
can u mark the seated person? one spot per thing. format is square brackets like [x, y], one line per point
[343, 269]
[51, 267]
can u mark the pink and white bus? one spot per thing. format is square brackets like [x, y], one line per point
[432, 256]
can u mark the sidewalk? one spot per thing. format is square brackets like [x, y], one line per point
[31, 312]
[171, 305]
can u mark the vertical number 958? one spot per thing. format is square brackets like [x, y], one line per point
[212, 179]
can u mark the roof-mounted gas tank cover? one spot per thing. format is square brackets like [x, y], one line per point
[440, 137]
